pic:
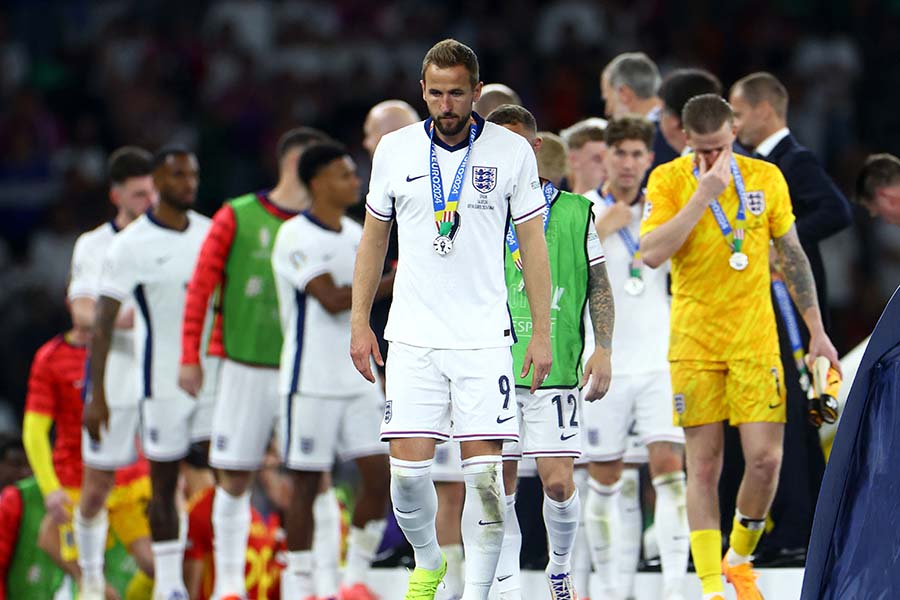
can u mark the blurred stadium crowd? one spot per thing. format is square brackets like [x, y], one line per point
[79, 78]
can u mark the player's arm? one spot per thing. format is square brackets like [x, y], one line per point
[366, 280]
[658, 245]
[536, 273]
[598, 369]
[208, 273]
[96, 412]
[40, 406]
[339, 298]
[802, 286]
[10, 519]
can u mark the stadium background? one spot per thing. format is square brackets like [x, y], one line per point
[79, 78]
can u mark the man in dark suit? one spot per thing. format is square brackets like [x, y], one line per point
[630, 85]
[760, 105]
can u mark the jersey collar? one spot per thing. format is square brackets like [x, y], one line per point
[479, 127]
[162, 225]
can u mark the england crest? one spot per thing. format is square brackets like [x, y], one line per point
[388, 411]
[484, 179]
[756, 202]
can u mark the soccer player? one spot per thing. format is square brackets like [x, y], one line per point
[714, 214]
[494, 95]
[449, 328]
[383, 118]
[328, 409]
[677, 88]
[131, 192]
[55, 400]
[641, 389]
[630, 85]
[586, 171]
[236, 258]
[151, 261]
[878, 187]
[549, 425]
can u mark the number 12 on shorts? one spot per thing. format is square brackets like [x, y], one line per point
[572, 401]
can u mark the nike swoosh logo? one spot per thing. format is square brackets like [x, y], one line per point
[504, 577]
[162, 259]
[408, 178]
[563, 437]
[408, 512]
[480, 522]
[775, 405]
[499, 420]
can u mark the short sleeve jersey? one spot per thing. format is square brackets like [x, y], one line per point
[457, 301]
[87, 263]
[55, 388]
[152, 264]
[315, 355]
[718, 313]
[641, 334]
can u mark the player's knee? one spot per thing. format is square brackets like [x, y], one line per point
[705, 472]
[235, 482]
[559, 485]
[306, 486]
[766, 464]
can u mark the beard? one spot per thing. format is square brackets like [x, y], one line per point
[461, 124]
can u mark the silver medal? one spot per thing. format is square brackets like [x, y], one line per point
[443, 245]
[738, 261]
[634, 286]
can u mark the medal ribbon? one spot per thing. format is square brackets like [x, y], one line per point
[789, 316]
[444, 211]
[734, 238]
[631, 245]
[512, 241]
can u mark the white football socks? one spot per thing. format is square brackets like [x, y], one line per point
[672, 532]
[507, 580]
[483, 519]
[362, 544]
[326, 547]
[631, 530]
[600, 522]
[297, 578]
[90, 538]
[168, 557]
[561, 520]
[415, 508]
[231, 528]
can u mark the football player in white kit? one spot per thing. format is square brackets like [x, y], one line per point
[131, 191]
[449, 327]
[151, 262]
[328, 409]
[641, 387]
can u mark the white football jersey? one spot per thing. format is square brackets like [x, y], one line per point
[315, 354]
[641, 333]
[457, 301]
[84, 281]
[153, 264]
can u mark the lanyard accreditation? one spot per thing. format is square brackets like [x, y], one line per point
[789, 316]
[733, 237]
[635, 284]
[445, 209]
[512, 241]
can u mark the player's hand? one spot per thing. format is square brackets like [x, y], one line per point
[59, 506]
[714, 178]
[111, 594]
[539, 355]
[820, 345]
[125, 318]
[190, 379]
[597, 373]
[615, 218]
[96, 416]
[363, 345]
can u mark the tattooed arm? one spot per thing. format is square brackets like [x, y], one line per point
[96, 412]
[602, 309]
[802, 287]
